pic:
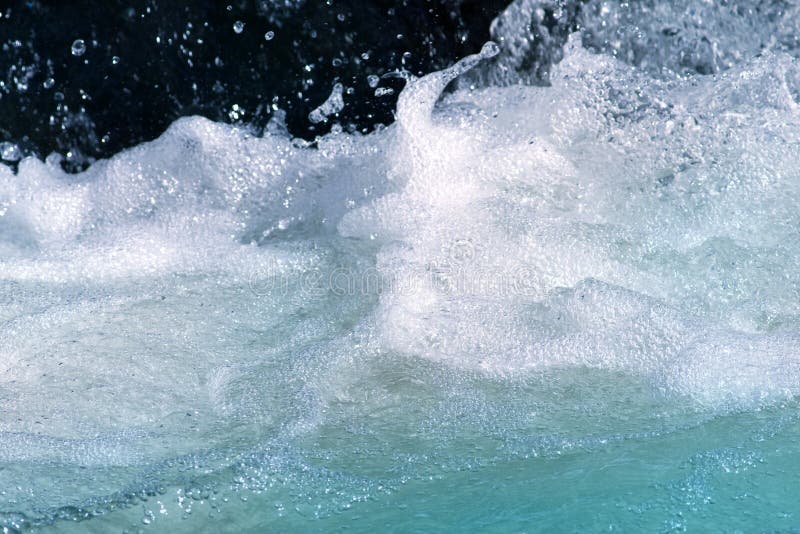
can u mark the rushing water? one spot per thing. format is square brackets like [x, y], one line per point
[518, 308]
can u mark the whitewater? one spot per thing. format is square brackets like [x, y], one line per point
[517, 308]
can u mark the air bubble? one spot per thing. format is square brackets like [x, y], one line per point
[238, 26]
[270, 35]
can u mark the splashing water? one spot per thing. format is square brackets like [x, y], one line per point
[333, 104]
[575, 304]
[78, 47]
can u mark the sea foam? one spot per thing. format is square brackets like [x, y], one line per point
[215, 295]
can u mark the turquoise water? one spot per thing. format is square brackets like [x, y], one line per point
[564, 308]
[650, 466]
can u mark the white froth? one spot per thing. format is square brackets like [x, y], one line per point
[657, 188]
[210, 283]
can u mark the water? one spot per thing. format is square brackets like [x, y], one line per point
[78, 47]
[333, 104]
[142, 65]
[571, 307]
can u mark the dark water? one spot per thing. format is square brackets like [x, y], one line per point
[146, 63]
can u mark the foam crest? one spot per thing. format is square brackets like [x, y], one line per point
[652, 193]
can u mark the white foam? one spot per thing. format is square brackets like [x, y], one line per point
[674, 198]
[610, 221]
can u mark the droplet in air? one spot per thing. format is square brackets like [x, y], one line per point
[238, 26]
[78, 47]
[270, 35]
[10, 152]
[333, 104]
[236, 112]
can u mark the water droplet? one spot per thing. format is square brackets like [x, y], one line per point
[270, 35]
[332, 105]
[78, 47]
[10, 152]
[238, 26]
[236, 113]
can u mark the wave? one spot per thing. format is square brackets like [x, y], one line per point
[221, 300]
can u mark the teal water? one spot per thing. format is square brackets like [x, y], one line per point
[651, 467]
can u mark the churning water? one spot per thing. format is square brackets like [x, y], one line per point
[518, 308]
